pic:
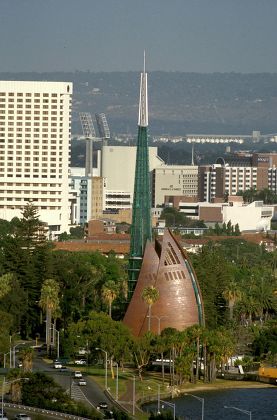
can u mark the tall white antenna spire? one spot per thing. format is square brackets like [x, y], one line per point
[143, 98]
[192, 155]
[144, 61]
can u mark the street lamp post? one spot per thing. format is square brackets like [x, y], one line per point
[5, 358]
[159, 397]
[134, 396]
[55, 331]
[172, 405]
[116, 386]
[249, 413]
[11, 336]
[106, 366]
[58, 344]
[158, 394]
[14, 347]
[159, 321]
[202, 402]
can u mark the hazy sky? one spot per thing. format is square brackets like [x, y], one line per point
[109, 35]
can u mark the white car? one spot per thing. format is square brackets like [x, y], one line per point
[82, 382]
[22, 416]
[80, 362]
[78, 374]
[57, 365]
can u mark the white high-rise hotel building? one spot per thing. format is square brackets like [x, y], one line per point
[35, 130]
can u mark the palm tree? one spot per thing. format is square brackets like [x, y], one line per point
[232, 294]
[265, 298]
[15, 383]
[49, 302]
[248, 307]
[195, 333]
[26, 355]
[150, 295]
[109, 293]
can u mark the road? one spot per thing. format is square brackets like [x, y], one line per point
[90, 394]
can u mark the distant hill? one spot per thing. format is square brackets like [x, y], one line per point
[179, 103]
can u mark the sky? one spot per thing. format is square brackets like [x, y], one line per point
[110, 35]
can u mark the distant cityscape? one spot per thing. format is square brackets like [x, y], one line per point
[134, 215]
[67, 196]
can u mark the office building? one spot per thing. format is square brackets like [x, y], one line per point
[35, 129]
[235, 173]
[255, 216]
[174, 180]
[118, 169]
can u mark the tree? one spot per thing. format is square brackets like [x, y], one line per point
[14, 377]
[6, 324]
[232, 294]
[174, 217]
[237, 230]
[143, 349]
[195, 333]
[229, 228]
[217, 229]
[150, 295]
[224, 228]
[49, 302]
[30, 230]
[99, 330]
[77, 232]
[26, 355]
[266, 300]
[109, 293]
[5, 284]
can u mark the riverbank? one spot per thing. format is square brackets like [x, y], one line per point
[218, 385]
[151, 388]
[225, 384]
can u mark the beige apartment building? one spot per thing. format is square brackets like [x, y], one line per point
[174, 180]
[35, 130]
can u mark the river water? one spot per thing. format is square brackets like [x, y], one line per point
[262, 402]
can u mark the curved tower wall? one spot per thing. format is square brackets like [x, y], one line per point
[166, 267]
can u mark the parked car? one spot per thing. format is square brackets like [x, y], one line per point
[22, 416]
[80, 362]
[57, 364]
[82, 382]
[102, 405]
[63, 369]
[78, 374]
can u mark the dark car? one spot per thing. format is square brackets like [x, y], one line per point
[108, 414]
[63, 369]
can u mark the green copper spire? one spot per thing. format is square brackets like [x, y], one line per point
[141, 229]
